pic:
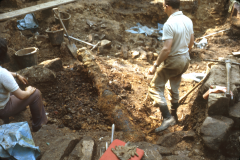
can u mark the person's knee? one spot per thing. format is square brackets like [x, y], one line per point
[37, 93]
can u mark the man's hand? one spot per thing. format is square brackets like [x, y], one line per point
[30, 89]
[22, 79]
[152, 70]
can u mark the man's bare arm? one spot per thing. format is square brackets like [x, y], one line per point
[21, 78]
[167, 46]
[191, 43]
[20, 94]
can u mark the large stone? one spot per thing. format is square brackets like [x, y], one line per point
[218, 104]
[83, 150]
[234, 113]
[165, 150]
[231, 147]
[60, 148]
[38, 76]
[178, 157]
[218, 76]
[53, 64]
[50, 137]
[171, 139]
[151, 151]
[214, 131]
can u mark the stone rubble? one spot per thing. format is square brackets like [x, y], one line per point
[214, 131]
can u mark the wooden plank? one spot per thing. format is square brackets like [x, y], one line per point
[31, 9]
[236, 53]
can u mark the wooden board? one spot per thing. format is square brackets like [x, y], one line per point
[31, 9]
[236, 53]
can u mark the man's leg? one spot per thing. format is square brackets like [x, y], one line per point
[156, 92]
[16, 105]
[174, 83]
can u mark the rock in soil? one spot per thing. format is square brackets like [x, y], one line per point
[171, 139]
[151, 151]
[60, 148]
[83, 150]
[214, 131]
[231, 147]
[234, 113]
[143, 55]
[127, 86]
[177, 157]
[52, 140]
[38, 75]
[218, 104]
[218, 76]
[106, 43]
[54, 64]
[135, 54]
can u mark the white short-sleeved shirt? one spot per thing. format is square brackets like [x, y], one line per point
[7, 85]
[179, 28]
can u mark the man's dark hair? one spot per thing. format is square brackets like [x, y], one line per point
[175, 4]
[3, 50]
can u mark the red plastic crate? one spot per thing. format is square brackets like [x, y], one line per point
[109, 155]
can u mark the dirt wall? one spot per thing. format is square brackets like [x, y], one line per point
[204, 13]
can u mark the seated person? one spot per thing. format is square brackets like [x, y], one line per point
[13, 100]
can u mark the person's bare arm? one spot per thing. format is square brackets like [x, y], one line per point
[167, 46]
[21, 78]
[20, 94]
[191, 43]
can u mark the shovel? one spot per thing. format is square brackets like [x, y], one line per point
[71, 46]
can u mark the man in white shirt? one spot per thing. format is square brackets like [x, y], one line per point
[178, 37]
[13, 100]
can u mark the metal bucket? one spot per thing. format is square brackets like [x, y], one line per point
[55, 37]
[27, 57]
[65, 19]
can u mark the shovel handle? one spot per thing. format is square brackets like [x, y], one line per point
[228, 68]
[57, 13]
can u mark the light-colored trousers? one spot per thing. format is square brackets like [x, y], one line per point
[171, 69]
